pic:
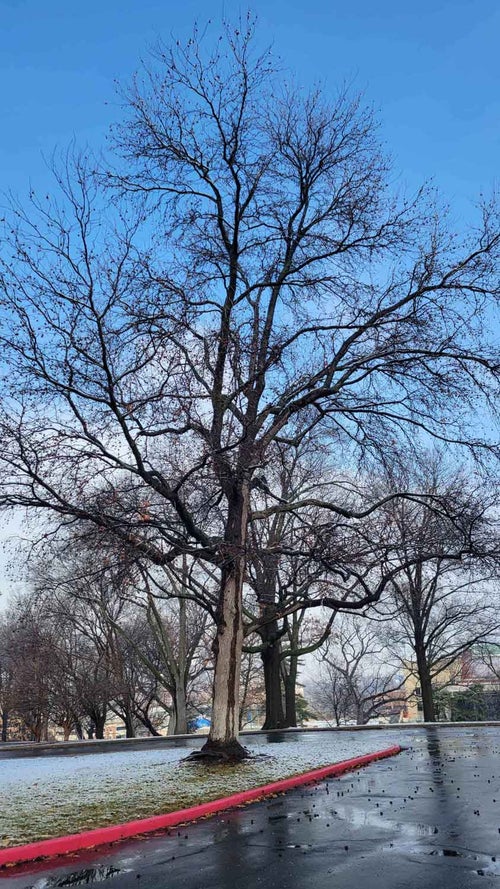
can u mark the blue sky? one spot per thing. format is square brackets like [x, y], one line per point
[430, 68]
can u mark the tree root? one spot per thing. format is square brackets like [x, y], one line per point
[219, 752]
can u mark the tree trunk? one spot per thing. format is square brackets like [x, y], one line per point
[5, 725]
[290, 673]
[99, 723]
[290, 681]
[177, 720]
[429, 711]
[180, 678]
[271, 660]
[171, 721]
[222, 741]
[223, 737]
[361, 715]
[180, 708]
[129, 725]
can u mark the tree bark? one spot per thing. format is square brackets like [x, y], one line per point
[290, 681]
[99, 722]
[223, 737]
[180, 708]
[429, 710]
[271, 661]
[5, 725]
[129, 725]
[180, 703]
[171, 721]
[361, 715]
[290, 669]
[222, 741]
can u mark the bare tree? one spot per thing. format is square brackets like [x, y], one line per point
[170, 645]
[154, 636]
[282, 573]
[356, 681]
[29, 651]
[439, 608]
[93, 686]
[252, 691]
[6, 681]
[66, 670]
[254, 278]
[179, 632]
[482, 663]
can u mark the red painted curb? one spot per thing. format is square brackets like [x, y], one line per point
[102, 835]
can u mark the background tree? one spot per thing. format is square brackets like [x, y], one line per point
[6, 681]
[180, 635]
[303, 636]
[281, 574]
[252, 694]
[444, 600]
[465, 705]
[356, 681]
[30, 653]
[148, 631]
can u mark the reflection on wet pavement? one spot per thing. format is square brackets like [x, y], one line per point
[81, 878]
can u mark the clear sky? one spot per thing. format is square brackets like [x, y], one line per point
[431, 68]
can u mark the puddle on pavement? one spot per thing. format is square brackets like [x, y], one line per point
[361, 818]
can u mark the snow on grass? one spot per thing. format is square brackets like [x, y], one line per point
[55, 795]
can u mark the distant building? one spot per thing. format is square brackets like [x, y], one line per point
[477, 669]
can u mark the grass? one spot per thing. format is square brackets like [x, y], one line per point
[49, 799]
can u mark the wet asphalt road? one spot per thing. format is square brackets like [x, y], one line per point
[429, 817]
